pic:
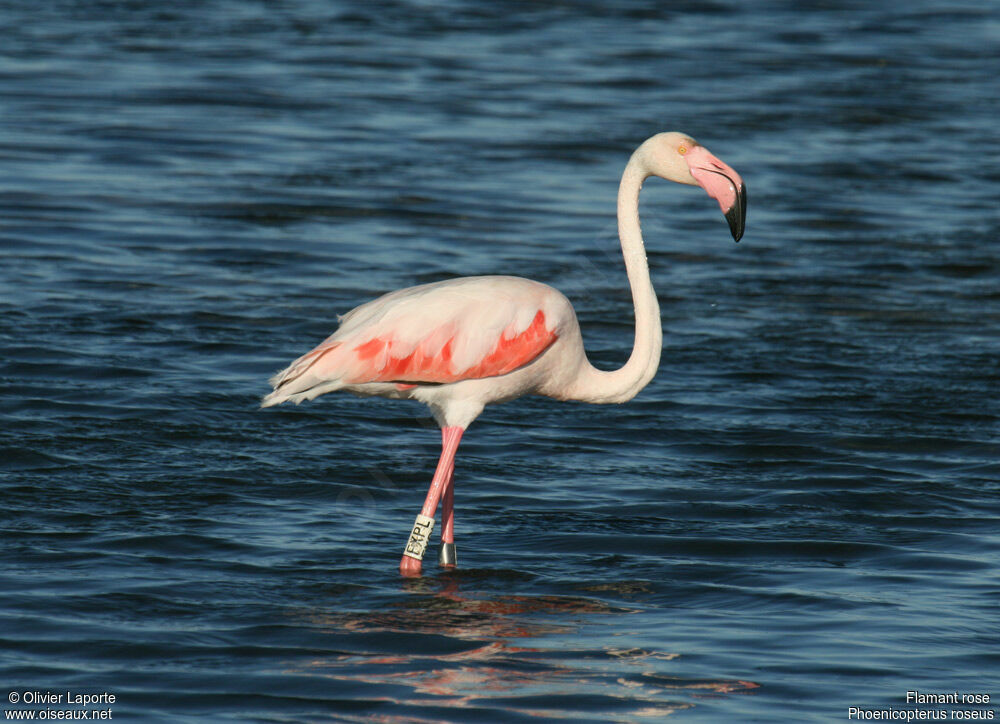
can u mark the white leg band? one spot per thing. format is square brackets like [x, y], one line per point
[421, 534]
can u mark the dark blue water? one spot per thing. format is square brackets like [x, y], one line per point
[800, 514]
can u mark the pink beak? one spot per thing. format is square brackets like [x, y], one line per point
[723, 184]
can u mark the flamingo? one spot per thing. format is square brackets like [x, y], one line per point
[460, 344]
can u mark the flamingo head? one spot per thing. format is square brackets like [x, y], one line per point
[678, 157]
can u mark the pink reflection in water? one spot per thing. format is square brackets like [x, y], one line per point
[615, 684]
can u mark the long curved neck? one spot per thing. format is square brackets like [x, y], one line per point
[592, 384]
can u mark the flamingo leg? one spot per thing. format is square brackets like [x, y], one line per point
[446, 555]
[413, 554]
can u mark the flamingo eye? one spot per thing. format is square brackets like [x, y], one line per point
[682, 150]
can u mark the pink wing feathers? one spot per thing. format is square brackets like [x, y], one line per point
[436, 333]
[384, 359]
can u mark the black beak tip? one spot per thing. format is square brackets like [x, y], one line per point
[737, 214]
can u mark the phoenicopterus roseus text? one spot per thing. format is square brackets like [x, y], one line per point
[461, 344]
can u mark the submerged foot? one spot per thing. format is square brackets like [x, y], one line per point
[410, 567]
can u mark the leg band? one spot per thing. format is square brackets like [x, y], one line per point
[446, 556]
[419, 537]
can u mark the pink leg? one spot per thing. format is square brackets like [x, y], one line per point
[410, 565]
[446, 557]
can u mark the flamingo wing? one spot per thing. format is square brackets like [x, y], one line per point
[435, 333]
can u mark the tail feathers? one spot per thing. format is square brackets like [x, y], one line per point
[300, 381]
[301, 392]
